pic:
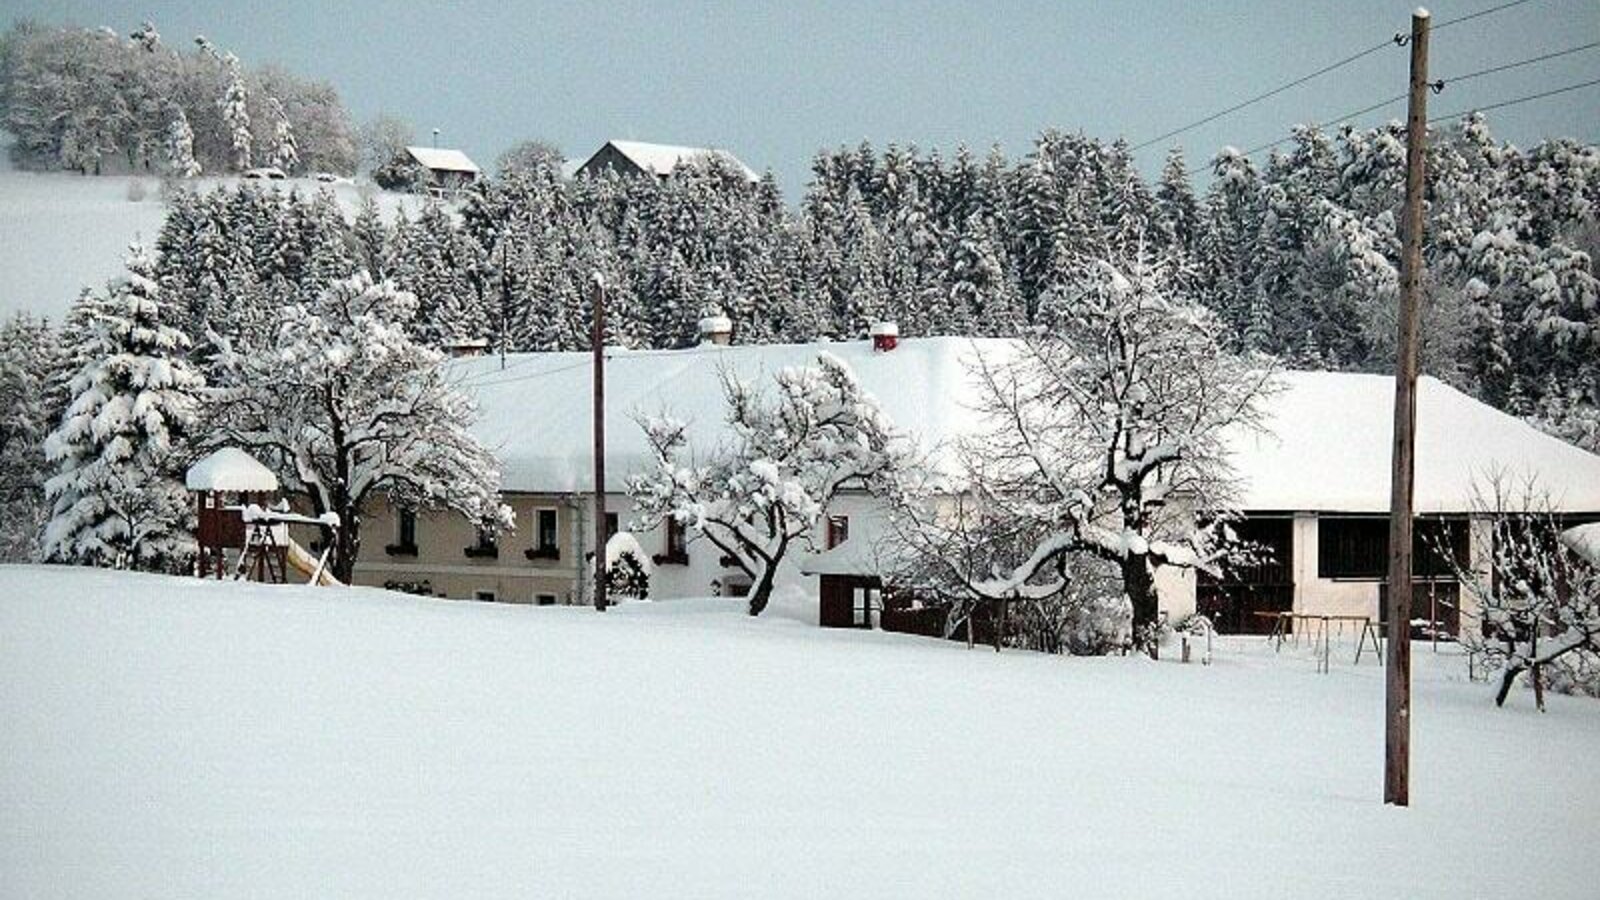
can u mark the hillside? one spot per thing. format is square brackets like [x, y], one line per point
[176, 738]
[61, 232]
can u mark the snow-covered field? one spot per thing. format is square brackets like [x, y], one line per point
[173, 738]
[61, 232]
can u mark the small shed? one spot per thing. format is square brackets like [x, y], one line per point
[223, 483]
[445, 171]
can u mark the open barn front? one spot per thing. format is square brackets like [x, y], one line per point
[1245, 598]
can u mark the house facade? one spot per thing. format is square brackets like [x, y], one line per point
[1313, 487]
[444, 171]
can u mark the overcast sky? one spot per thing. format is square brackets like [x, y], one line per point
[774, 82]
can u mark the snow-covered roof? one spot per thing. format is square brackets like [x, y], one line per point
[1584, 541]
[230, 469]
[663, 158]
[1329, 449]
[1330, 445]
[537, 412]
[443, 159]
[857, 556]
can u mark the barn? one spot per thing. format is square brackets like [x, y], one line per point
[1314, 487]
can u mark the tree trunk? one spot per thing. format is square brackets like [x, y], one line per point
[761, 591]
[346, 543]
[1139, 583]
[1506, 681]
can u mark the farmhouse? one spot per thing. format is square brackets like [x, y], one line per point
[1314, 489]
[637, 158]
[444, 171]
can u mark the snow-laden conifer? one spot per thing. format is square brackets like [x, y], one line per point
[116, 498]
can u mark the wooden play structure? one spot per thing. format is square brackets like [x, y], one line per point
[238, 518]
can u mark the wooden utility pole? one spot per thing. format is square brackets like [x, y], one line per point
[1397, 742]
[598, 293]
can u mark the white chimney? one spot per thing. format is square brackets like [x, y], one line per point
[716, 329]
[885, 335]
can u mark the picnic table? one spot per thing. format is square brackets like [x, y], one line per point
[1324, 622]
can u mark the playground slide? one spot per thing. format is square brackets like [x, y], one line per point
[301, 560]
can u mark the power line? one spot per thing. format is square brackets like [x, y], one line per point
[1263, 96]
[1440, 26]
[1518, 64]
[1513, 102]
[1397, 40]
[1437, 86]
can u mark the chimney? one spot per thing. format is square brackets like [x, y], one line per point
[716, 329]
[885, 335]
[436, 137]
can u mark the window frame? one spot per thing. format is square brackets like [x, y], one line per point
[838, 531]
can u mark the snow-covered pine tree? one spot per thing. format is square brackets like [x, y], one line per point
[26, 364]
[285, 152]
[1229, 250]
[370, 239]
[120, 448]
[758, 497]
[234, 106]
[349, 407]
[180, 146]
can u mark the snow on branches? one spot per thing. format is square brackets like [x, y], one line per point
[1106, 441]
[1538, 598]
[349, 406]
[790, 455]
[115, 497]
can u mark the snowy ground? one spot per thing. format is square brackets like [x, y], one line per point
[61, 232]
[172, 738]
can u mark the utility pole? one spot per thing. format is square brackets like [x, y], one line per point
[598, 293]
[1397, 695]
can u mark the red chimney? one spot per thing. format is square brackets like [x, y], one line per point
[885, 335]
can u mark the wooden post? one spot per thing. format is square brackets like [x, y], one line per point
[1397, 695]
[598, 292]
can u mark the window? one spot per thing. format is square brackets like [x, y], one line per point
[545, 599]
[486, 547]
[677, 544]
[545, 536]
[613, 525]
[838, 531]
[405, 543]
[1358, 547]
[486, 596]
[865, 603]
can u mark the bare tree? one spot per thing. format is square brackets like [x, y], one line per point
[1538, 599]
[757, 496]
[1105, 439]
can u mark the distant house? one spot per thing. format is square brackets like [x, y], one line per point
[635, 158]
[444, 171]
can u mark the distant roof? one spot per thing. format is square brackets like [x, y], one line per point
[1328, 450]
[662, 159]
[442, 159]
[230, 469]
